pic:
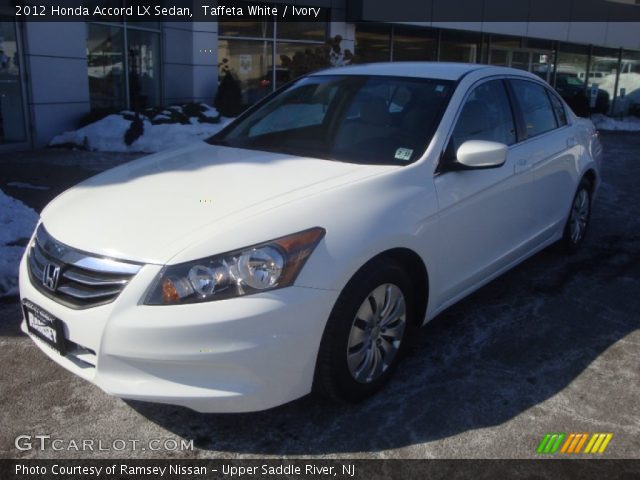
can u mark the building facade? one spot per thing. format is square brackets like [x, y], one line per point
[53, 74]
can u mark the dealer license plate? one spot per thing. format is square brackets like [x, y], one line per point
[45, 326]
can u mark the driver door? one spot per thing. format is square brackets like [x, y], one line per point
[484, 213]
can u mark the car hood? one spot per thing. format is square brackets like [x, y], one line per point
[147, 210]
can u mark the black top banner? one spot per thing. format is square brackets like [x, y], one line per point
[322, 10]
[166, 10]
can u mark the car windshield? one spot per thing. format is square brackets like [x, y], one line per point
[358, 119]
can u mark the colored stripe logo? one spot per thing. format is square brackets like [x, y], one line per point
[573, 443]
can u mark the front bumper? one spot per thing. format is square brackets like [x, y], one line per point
[244, 354]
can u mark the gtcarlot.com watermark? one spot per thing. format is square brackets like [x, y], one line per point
[48, 442]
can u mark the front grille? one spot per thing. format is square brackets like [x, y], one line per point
[75, 278]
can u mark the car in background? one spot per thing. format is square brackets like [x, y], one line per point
[575, 92]
[301, 247]
[594, 77]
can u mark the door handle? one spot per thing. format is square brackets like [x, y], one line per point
[571, 142]
[520, 165]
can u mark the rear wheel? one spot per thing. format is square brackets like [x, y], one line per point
[367, 333]
[579, 217]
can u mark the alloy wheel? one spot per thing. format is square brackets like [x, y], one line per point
[376, 333]
[579, 216]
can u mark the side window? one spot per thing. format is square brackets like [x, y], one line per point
[558, 107]
[486, 115]
[536, 107]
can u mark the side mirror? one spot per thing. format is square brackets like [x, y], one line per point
[477, 154]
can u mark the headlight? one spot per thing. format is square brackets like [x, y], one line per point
[273, 264]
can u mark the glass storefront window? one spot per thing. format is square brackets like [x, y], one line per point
[604, 73]
[628, 102]
[123, 79]
[458, 46]
[105, 56]
[499, 57]
[250, 63]
[573, 62]
[372, 44]
[505, 42]
[570, 75]
[316, 31]
[532, 55]
[542, 64]
[144, 69]
[261, 29]
[538, 62]
[414, 45]
[520, 60]
[11, 107]
[295, 60]
[502, 47]
[246, 51]
[542, 57]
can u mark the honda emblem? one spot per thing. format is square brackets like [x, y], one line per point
[50, 276]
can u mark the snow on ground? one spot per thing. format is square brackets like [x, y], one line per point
[627, 124]
[17, 222]
[107, 135]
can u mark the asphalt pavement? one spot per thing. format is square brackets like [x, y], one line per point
[551, 346]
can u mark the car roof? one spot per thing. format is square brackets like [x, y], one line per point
[437, 70]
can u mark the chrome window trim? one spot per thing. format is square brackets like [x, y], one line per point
[506, 77]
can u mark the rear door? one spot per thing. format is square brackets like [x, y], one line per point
[552, 151]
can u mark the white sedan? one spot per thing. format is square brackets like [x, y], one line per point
[298, 249]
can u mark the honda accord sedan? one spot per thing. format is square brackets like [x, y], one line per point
[299, 248]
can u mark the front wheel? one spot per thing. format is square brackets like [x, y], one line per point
[367, 333]
[579, 217]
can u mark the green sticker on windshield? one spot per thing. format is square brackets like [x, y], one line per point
[403, 154]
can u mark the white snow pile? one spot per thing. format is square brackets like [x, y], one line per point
[211, 113]
[17, 222]
[627, 124]
[107, 135]
[630, 83]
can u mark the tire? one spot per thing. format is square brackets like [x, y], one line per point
[577, 224]
[355, 338]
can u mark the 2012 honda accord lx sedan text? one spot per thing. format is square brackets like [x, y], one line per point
[298, 249]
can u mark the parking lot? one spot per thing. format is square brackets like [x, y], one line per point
[552, 346]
